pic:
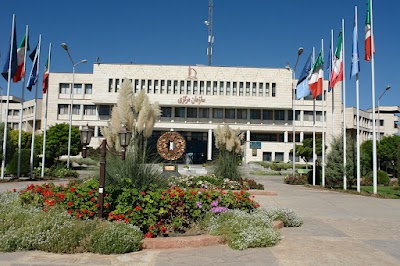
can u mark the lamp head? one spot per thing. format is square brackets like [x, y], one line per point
[388, 88]
[300, 51]
[64, 46]
[84, 61]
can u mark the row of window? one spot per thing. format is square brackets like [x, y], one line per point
[279, 157]
[63, 109]
[65, 88]
[195, 87]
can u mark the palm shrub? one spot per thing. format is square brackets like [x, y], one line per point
[228, 142]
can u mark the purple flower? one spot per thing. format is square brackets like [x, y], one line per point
[219, 209]
[199, 204]
[214, 203]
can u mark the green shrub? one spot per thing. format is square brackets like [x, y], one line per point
[383, 178]
[287, 216]
[65, 173]
[243, 230]
[297, 180]
[12, 166]
[86, 161]
[116, 237]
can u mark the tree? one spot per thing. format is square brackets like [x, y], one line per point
[10, 147]
[57, 142]
[305, 151]
[387, 151]
[366, 157]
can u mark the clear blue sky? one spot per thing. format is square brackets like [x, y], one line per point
[247, 33]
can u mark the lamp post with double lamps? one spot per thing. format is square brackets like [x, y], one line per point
[71, 95]
[299, 52]
[379, 119]
[124, 138]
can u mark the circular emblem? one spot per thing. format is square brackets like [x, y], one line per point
[171, 145]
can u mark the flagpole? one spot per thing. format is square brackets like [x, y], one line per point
[323, 122]
[344, 113]
[22, 106]
[358, 111]
[45, 116]
[374, 157]
[35, 107]
[3, 162]
[333, 92]
[313, 157]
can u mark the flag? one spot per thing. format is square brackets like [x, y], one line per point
[45, 82]
[33, 54]
[302, 89]
[14, 57]
[317, 75]
[329, 66]
[33, 75]
[369, 39]
[337, 64]
[355, 60]
[21, 58]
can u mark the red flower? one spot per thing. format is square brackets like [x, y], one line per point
[126, 220]
[92, 199]
[163, 228]
[69, 211]
[162, 197]
[70, 203]
[14, 189]
[72, 189]
[142, 193]
[138, 208]
[107, 205]
[97, 205]
[181, 194]
[85, 211]
[148, 235]
[172, 194]
[91, 213]
[79, 215]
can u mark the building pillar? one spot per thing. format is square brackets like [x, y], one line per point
[301, 136]
[209, 145]
[285, 136]
[96, 131]
[248, 135]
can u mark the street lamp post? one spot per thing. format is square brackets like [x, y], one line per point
[299, 52]
[124, 138]
[71, 95]
[379, 119]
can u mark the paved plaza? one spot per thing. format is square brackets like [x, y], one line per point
[339, 229]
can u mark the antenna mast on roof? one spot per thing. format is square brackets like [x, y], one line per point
[209, 24]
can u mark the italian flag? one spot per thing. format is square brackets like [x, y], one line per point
[45, 82]
[337, 69]
[21, 58]
[369, 41]
[317, 76]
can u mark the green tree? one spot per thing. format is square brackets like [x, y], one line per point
[387, 150]
[305, 151]
[57, 142]
[366, 157]
[26, 138]
[10, 147]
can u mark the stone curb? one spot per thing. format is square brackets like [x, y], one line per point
[189, 241]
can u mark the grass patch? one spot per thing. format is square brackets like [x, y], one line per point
[260, 172]
[384, 192]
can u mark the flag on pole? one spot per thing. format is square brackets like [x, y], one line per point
[337, 64]
[45, 82]
[317, 76]
[329, 67]
[369, 39]
[14, 58]
[302, 88]
[33, 75]
[33, 54]
[21, 59]
[355, 60]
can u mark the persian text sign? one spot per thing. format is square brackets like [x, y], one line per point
[191, 100]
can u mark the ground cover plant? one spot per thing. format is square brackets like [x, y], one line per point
[214, 182]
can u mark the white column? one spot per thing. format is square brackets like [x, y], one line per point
[209, 145]
[96, 131]
[285, 136]
[301, 136]
[248, 135]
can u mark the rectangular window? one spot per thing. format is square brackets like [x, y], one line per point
[267, 156]
[201, 87]
[291, 157]
[208, 87]
[215, 87]
[169, 84]
[279, 156]
[234, 92]
[162, 87]
[255, 114]
[204, 113]
[280, 115]
[89, 110]
[175, 87]
[229, 113]
[221, 88]
[290, 115]
[88, 88]
[273, 89]
[76, 109]
[63, 109]
[247, 88]
[156, 87]
[166, 112]
[136, 85]
[254, 90]
[143, 84]
[217, 113]
[260, 89]
[149, 87]
[381, 123]
[240, 88]
[189, 87]
[110, 85]
[195, 88]
[241, 114]
[228, 88]
[180, 112]
[182, 90]
[117, 85]
[308, 116]
[268, 114]
[77, 89]
[104, 110]
[191, 112]
[266, 89]
[64, 88]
